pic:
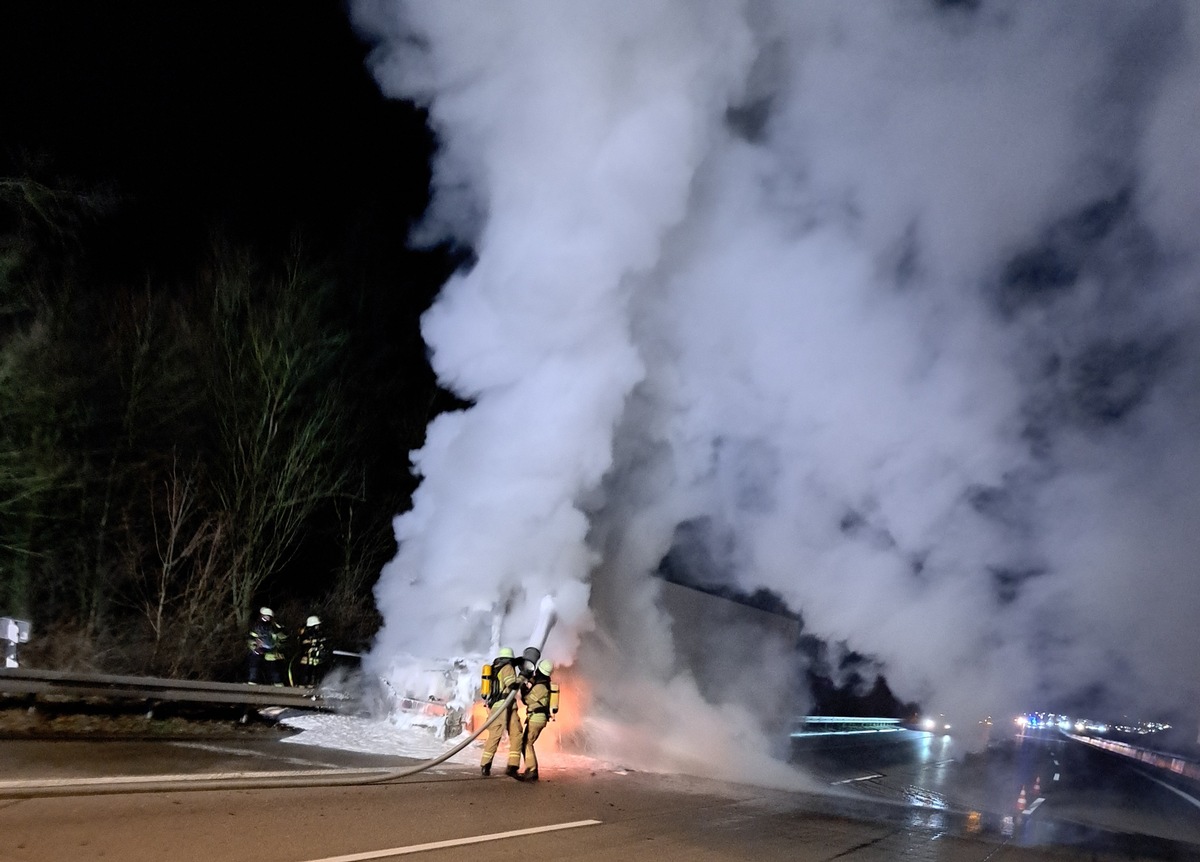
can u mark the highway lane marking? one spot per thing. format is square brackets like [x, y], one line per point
[860, 778]
[242, 752]
[54, 783]
[455, 842]
[1034, 807]
[1187, 796]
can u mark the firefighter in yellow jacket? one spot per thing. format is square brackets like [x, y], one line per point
[504, 672]
[536, 697]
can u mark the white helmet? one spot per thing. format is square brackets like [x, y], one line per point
[313, 621]
[266, 612]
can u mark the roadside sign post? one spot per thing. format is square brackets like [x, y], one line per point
[12, 633]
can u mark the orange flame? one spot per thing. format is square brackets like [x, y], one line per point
[573, 698]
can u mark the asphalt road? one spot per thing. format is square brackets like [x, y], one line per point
[577, 813]
[1048, 787]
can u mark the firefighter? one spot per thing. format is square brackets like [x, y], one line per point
[266, 649]
[314, 653]
[504, 674]
[536, 696]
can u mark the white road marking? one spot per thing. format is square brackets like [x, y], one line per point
[1034, 807]
[1187, 796]
[860, 778]
[242, 752]
[454, 842]
[1056, 776]
[55, 783]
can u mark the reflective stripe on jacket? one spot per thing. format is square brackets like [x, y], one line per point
[537, 697]
[314, 648]
[266, 639]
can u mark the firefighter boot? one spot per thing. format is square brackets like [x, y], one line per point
[485, 770]
[512, 770]
[529, 775]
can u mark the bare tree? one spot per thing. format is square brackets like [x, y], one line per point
[364, 549]
[277, 411]
[33, 462]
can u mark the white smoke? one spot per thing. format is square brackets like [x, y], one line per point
[894, 302]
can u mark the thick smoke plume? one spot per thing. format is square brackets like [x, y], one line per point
[889, 308]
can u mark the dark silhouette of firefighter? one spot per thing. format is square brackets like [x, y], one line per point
[312, 660]
[265, 662]
[502, 680]
[536, 695]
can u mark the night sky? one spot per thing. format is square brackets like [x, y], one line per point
[260, 118]
[199, 126]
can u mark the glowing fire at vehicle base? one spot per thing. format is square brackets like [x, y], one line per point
[445, 695]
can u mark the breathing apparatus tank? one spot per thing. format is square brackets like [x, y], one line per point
[489, 676]
[553, 700]
[486, 683]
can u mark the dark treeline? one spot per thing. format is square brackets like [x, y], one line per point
[177, 449]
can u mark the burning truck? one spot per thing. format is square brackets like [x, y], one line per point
[437, 695]
[446, 696]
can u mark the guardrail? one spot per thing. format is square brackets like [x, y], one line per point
[1160, 759]
[107, 686]
[821, 725]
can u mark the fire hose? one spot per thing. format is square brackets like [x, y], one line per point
[102, 787]
[296, 779]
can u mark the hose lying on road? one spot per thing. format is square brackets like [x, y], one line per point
[242, 781]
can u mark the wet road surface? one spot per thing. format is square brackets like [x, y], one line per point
[1040, 784]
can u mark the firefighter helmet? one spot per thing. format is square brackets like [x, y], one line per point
[506, 652]
[266, 612]
[545, 667]
[313, 621]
